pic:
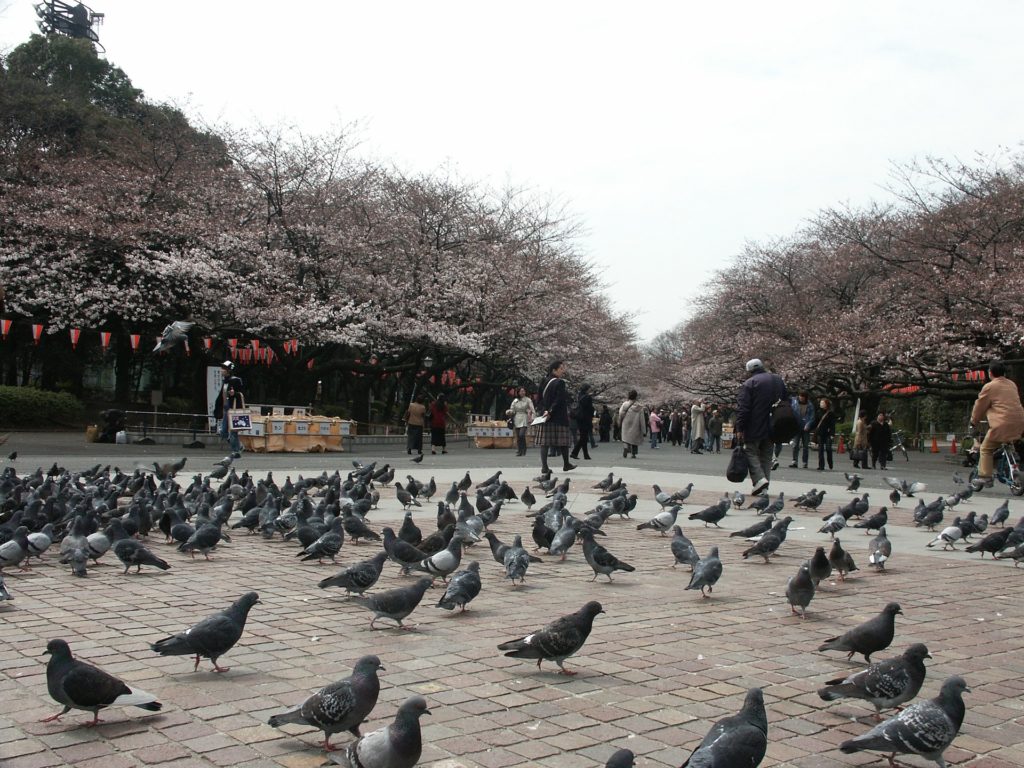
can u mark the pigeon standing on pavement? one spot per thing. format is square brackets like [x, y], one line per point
[15, 551]
[600, 559]
[341, 706]
[683, 550]
[926, 728]
[557, 641]
[663, 521]
[395, 604]
[841, 560]
[463, 587]
[78, 685]
[800, 590]
[4, 594]
[516, 561]
[876, 521]
[623, 758]
[130, 552]
[713, 514]
[706, 573]
[879, 550]
[735, 741]
[213, 636]
[885, 684]
[397, 745]
[873, 635]
[358, 578]
[819, 566]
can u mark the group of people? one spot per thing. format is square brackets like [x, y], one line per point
[419, 417]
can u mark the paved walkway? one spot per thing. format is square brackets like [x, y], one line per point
[660, 667]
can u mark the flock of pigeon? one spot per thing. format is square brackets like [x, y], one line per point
[88, 514]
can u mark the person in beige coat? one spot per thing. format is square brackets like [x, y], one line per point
[999, 404]
[631, 417]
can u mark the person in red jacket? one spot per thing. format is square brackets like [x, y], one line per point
[438, 424]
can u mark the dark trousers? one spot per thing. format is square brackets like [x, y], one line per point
[582, 443]
[878, 456]
[521, 441]
[414, 439]
[824, 451]
[802, 438]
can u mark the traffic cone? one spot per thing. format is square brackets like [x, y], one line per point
[952, 446]
[935, 444]
[842, 445]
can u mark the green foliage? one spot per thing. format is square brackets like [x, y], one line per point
[28, 407]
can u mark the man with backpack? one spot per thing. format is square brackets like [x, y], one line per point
[761, 404]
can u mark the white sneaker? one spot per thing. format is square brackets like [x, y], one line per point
[759, 488]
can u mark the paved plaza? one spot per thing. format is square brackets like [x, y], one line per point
[660, 667]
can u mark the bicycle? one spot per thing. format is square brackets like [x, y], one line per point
[1005, 466]
[898, 443]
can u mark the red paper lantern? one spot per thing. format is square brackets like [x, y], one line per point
[5, 327]
[207, 343]
[105, 340]
[232, 343]
[255, 346]
[134, 339]
[234, 353]
[309, 364]
[75, 333]
[295, 346]
[37, 332]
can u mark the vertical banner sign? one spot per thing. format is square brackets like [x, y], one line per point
[105, 340]
[207, 343]
[75, 334]
[233, 343]
[214, 379]
[255, 343]
[134, 339]
[37, 332]
[5, 327]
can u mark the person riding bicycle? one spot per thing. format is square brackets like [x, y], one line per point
[999, 404]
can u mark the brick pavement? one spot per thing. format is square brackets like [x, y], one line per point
[661, 665]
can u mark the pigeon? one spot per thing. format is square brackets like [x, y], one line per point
[40, 541]
[712, 514]
[130, 552]
[15, 551]
[800, 590]
[405, 498]
[397, 745]
[1016, 554]
[762, 526]
[1000, 515]
[358, 578]
[874, 522]
[819, 566]
[906, 488]
[463, 587]
[558, 640]
[213, 636]
[622, 758]
[564, 538]
[682, 495]
[854, 481]
[528, 498]
[873, 635]
[340, 706]
[417, 458]
[886, 684]
[465, 483]
[442, 563]
[395, 604]
[738, 499]
[663, 499]
[841, 560]
[410, 532]
[78, 685]
[949, 536]
[706, 573]
[683, 550]
[879, 549]
[205, 538]
[992, 543]
[173, 334]
[835, 524]
[4, 594]
[894, 497]
[926, 728]
[663, 521]
[738, 740]
[599, 558]
[764, 547]
[357, 529]
[516, 561]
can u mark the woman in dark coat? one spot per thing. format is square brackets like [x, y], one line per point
[438, 424]
[604, 424]
[584, 423]
[824, 431]
[879, 440]
[554, 432]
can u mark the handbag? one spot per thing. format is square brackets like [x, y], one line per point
[739, 466]
[239, 422]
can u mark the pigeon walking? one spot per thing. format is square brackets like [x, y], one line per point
[738, 740]
[516, 561]
[358, 578]
[600, 559]
[841, 560]
[885, 684]
[78, 685]
[462, 588]
[395, 604]
[926, 728]
[683, 550]
[213, 636]
[397, 745]
[800, 590]
[873, 635]
[340, 706]
[879, 550]
[663, 521]
[706, 573]
[557, 641]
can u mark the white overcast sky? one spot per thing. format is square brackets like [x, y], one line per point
[675, 132]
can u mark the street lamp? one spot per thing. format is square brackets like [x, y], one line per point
[428, 363]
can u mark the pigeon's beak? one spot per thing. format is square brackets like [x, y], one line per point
[928, 656]
[427, 711]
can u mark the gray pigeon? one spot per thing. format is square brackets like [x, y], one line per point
[558, 640]
[516, 561]
[873, 635]
[395, 604]
[713, 514]
[397, 745]
[599, 558]
[173, 334]
[759, 528]
[78, 685]
[663, 521]
[1001, 514]
[443, 563]
[213, 636]
[15, 551]
[739, 740]
[926, 728]
[130, 552]
[683, 550]
[879, 550]
[564, 538]
[340, 706]
[819, 566]
[4, 594]
[706, 573]
[358, 578]
[800, 590]
[463, 587]
[886, 684]
[841, 560]
[623, 758]
[328, 545]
